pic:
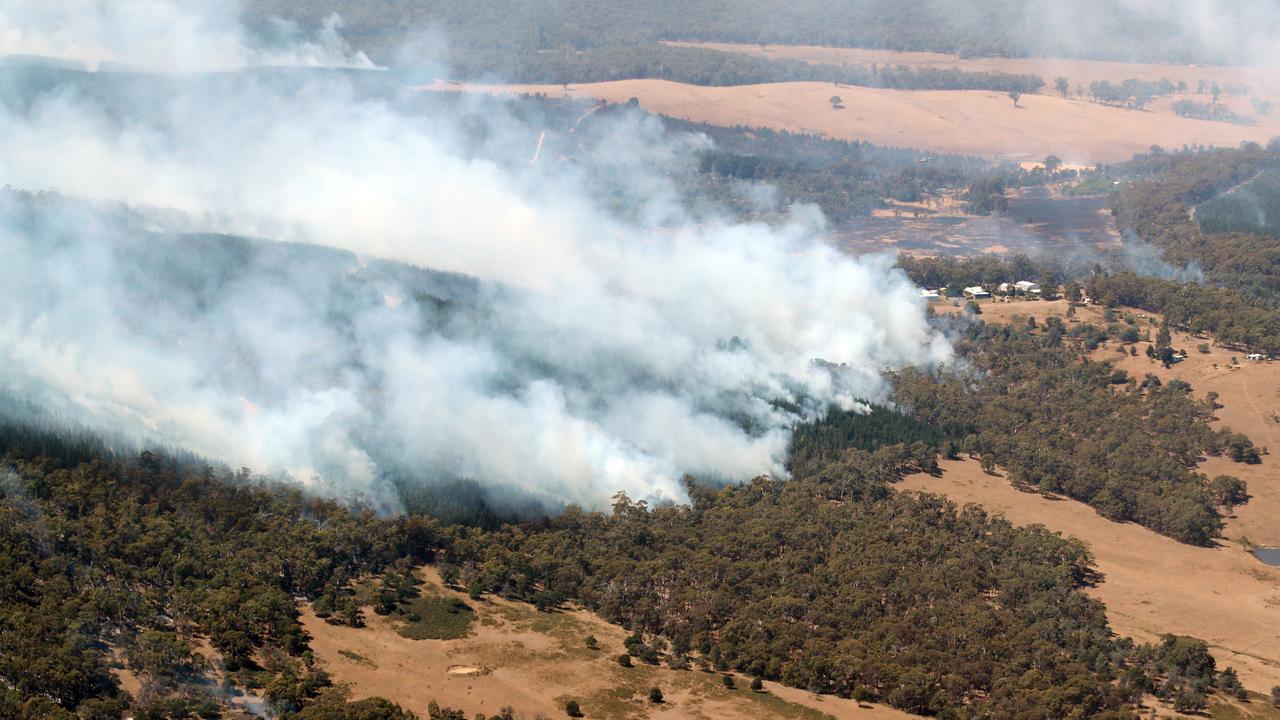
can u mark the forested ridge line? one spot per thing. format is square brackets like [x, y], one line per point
[1157, 208]
[1092, 29]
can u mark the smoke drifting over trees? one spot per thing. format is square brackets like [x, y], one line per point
[488, 34]
[580, 334]
[167, 36]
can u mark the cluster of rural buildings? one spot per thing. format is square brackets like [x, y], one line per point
[1023, 288]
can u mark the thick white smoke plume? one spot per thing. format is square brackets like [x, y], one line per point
[599, 348]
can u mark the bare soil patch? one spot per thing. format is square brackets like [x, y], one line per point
[129, 680]
[981, 123]
[535, 662]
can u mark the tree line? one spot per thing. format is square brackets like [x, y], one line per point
[701, 66]
[1234, 320]
[1210, 111]
[1034, 403]
[1131, 92]
[994, 28]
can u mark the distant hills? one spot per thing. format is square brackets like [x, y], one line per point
[479, 33]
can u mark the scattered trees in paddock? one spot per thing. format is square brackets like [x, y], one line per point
[1131, 92]
[1210, 111]
[1030, 399]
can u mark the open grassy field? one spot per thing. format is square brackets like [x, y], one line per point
[535, 662]
[969, 122]
[1248, 391]
[1263, 82]
[1151, 584]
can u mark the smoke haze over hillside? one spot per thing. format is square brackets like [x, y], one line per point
[1190, 31]
[165, 36]
[610, 343]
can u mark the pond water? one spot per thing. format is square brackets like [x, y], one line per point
[1270, 556]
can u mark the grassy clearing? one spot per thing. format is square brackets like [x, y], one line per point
[624, 699]
[435, 618]
[1259, 707]
[695, 694]
[775, 707]
[564, 627]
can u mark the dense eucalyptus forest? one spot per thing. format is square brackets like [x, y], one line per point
[1230, 243]
[830, 581]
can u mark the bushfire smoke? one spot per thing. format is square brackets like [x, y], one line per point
[566, 344]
